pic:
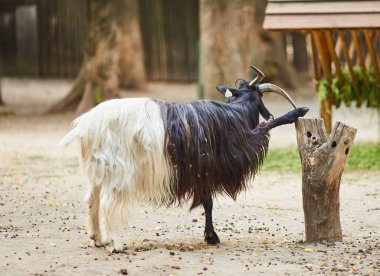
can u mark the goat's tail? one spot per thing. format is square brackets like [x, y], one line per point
[69, 138]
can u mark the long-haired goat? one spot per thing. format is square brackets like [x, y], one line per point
[145, 150]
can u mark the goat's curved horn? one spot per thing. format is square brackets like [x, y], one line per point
[268, 87]
[259, 76]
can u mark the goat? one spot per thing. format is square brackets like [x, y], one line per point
[149, 151]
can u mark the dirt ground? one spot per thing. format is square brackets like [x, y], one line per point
[43, 215]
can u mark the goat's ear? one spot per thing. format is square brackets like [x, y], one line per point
[228, 91]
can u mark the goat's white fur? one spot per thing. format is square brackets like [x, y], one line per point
[122, 148]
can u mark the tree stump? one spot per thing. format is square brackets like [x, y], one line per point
[323, 162]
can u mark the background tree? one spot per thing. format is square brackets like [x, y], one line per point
[300, 56]
[113, 55]
[270, 54]
[231, 38]
[226, 36]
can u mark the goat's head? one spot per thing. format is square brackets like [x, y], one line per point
[252, 91]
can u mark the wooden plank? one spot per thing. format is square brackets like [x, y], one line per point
[324, 55]
[321, 21]
[315, 7]
[350, 68]
[325, 61]
[359, 53]
[351, 51]
[372, 55]
[317, 71]
[331, 48]
[338, 47]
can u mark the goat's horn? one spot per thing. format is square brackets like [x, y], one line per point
[259, 76]
[268, 87]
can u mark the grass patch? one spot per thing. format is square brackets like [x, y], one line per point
[282, 160]
[364, 156]
[361, 157]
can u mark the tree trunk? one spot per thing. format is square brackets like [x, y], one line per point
[113, 55]
[131, 50]
[226, 35]
[270, 54]
[323, 162]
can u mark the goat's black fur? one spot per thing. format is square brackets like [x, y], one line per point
[211, 147]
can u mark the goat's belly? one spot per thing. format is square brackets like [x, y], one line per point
[122, 144]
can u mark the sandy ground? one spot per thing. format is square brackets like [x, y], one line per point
[43, 215]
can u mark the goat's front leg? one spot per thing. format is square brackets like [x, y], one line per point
[210, 236]
[288, 118]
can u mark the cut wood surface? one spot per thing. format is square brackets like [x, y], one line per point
[323, 160]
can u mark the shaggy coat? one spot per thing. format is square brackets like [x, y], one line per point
[210, 148]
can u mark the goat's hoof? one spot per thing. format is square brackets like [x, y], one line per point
[114, 247]
[211, 237]
[302, 111]
[298, 112]
[96, 240]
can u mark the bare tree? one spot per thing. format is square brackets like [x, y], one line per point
[113, 55]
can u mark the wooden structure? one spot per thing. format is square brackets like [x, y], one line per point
[44, 38]
[323, 160]
[345, 40]
[41, 37]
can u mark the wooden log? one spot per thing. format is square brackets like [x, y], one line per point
[323, 160]
[316, 66]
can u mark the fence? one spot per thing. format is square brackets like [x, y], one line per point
[44, 38]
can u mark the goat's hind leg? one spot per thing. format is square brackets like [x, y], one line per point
[210, 236]
[93, 215]
[108, 220]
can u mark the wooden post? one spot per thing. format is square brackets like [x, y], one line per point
[323, 162]
[350, 68]
[325, 62]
